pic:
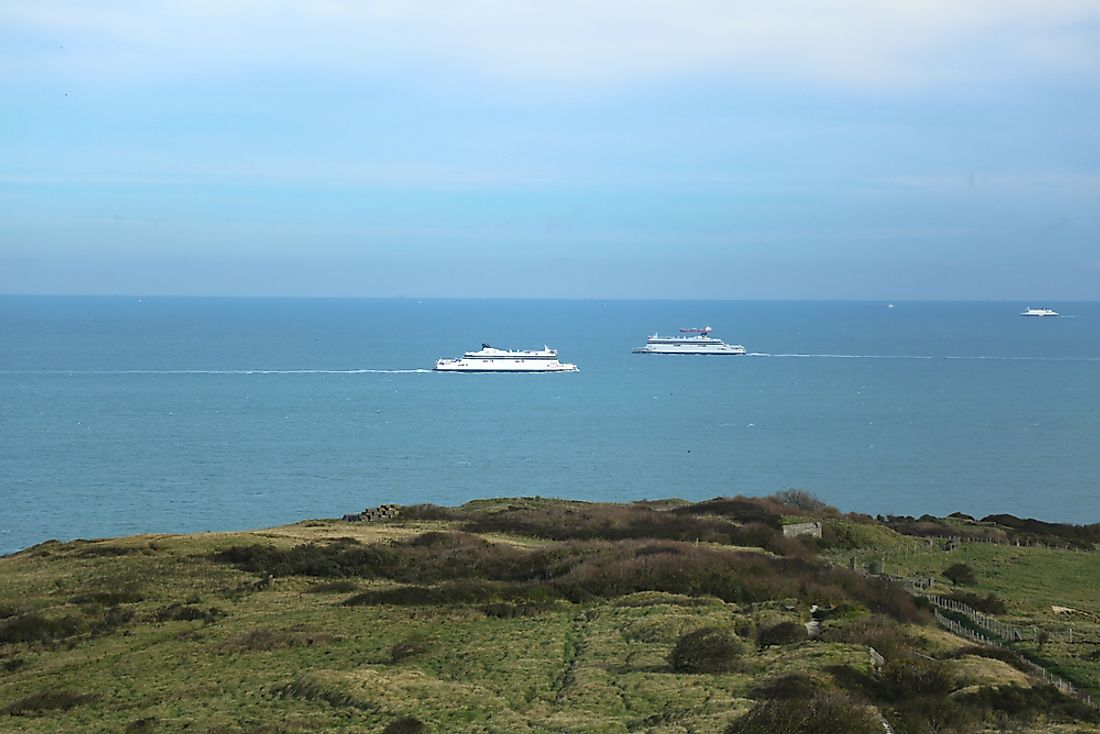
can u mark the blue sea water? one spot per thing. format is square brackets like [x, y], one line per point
[127, 415]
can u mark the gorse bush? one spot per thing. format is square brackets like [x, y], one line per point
[1028, 704]
[990, 604]
[822, 713]
[38, 628]
[409, 647]
[332, 587]
[800, 499]
[744, 510]
[469, 569]
[961, 574]
[706, 650]
[405, 725]
[52, 700]
[309, 559]
[183, 612]
[310, 688]
[783, 687]
[783, 633]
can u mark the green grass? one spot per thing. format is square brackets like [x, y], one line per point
[143, 652]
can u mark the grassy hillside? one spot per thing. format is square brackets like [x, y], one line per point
[529, 616]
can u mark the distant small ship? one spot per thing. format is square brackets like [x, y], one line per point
[701, 342]
[1039, 312]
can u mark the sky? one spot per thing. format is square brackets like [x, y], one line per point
[783, 149]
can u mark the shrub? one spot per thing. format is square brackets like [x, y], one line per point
[265, 639]
[508, 610]
[1029, 703]
[141, 726]
[310, 688]
[742, 509]
[783, 633]
[111, 597]
[177, 612]
[802, 500]
[337, 559]
[46, 701]
[604, 522]
[783, 687]
[429, 512]
[990, 604]
[408, 648]
[705, 650]
[36, 628]
[458, 592]
[824, 713]
[960, 574]
[332, 587]
[405, 725]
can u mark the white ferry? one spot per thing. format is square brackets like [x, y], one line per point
[1039, 312]
[700, 342]
[490, 359]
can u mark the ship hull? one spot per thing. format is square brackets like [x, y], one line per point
[517, 366]
[729, 350]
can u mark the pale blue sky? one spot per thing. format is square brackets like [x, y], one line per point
[501, 148]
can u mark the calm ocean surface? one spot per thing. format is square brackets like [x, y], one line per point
[121, 416]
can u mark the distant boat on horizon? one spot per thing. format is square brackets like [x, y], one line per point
[1039, 312]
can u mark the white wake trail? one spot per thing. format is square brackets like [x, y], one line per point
[796, 355]
[216, 372]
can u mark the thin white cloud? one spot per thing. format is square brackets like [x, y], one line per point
[860, 42]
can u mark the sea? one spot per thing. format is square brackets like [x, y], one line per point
[126, 415]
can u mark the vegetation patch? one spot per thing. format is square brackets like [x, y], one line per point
[61, 700]
[989, 604]
[706, 650]
[267, 639]
[312, 688]
[410, 647]
[405, 725]
[786, 686]
[783, 633]
[39, 628]
[341, 586]
[109, 597]
[822, 713]
[188, 612]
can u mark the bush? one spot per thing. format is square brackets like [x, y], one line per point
[802, 500]
[1029, 703]
[337, 559]
[429, 512]
[332, 587]
[36, 628]
[705, 650]
[960, 574]
[784, 687]
[990, 604]
[46, 701]
[141, 726]
[177, 612]
[824, 713]
[408, 648]
[265, 639]
[405, 725]
[784, 633]
[109, 598]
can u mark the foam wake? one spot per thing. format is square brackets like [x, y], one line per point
[1020, 358]
[214, 372]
